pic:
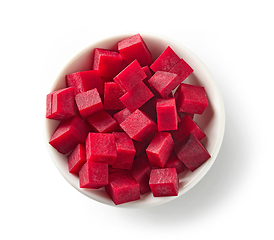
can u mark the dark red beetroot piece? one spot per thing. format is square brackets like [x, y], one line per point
[93, 175]
[167, 118]
[191, 98]
[89, 102]
[139, 126]
[164, 182]
[130, 76]
[69, 134]
[133, 48]
[112, 93]
[160, 148]
[182, 69]
[122, 187]
[191, 152]
[125, 151]
[77, 158]
[101, 147]
[60, 104]
[148, 75]
[165, 61]
[174, 162]
[107, 62]
[84, 81]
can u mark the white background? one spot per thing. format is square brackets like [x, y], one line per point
[233, 38]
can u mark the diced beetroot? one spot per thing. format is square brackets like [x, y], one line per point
[141, 147]
[165, 61]
[139, 126]
[102, 122]
[191, 98]
[182, 114]
[182, 69]
[69, 134]
[148, 75]
[89, 102]
[191, 152]
[107, 62]
[121, 115]
[101, 147]
[141, 171]
[133, 48]
[164, 182]
[185, 127]
[112, 93]
[167, 118]
[174, 162]
[60, 104]
[125, 151]
[136, 97]
[84, 81]
[122, 187]
[93, 175]
[149, 108]
[160, 148]
[130, 76]
[77, 158]
[164, 82]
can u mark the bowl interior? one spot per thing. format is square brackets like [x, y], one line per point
[212, 121]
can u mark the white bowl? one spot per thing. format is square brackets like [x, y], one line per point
[212, 121]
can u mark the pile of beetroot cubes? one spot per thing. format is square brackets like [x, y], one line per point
[123, 128]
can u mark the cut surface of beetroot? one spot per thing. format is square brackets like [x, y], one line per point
[112, 93]
[121, 115]
[77, 158]
[182, 69]
[174, 162]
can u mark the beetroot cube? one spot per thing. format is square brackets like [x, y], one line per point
[121, 115]
[136, 97]
[112, 93]
[84, 81]
[191, 99]
[148, 75]
[93, 175]
[175, 162]
[77, 158]
[130, 76]
[191, 152]
[102, 122]
[165, 61]
[69, 134]
[141, 171]
[101, 147]
[140, 147]
[122, 187]
[164, 182]
[139, 126]
[167, 114]
[125, 151]
[149, 108]
[160, 148]
[185, 127]
[182, 69]
[164, 82]
[60, 104]
[107, 62]
[89, 102]
[133, 48]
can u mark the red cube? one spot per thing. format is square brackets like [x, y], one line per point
[164, 182]
[122, 187]
[125, 151]
[182, 69]
[130, 76]
[121, 115]
[77, 158]
[107, 62]
[139, 126]
[133, 48]
[175, 162]
[84, 81]
[93, 175]
[89, 102]
[112, 93]
[191, 152]
[60, 104]
[148, 75]
[160, 148]
[167, 118]
[101, 147]
[165, 61]
[191, 98]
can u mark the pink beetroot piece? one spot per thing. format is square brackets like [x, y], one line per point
[122, 187]
[77, 158]
[182, 69]
[160, 148]
[93, 175]
[164, 182]
[60, 104]
[112, 93]
[101, 147]
[121, 115]
[148, 75]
